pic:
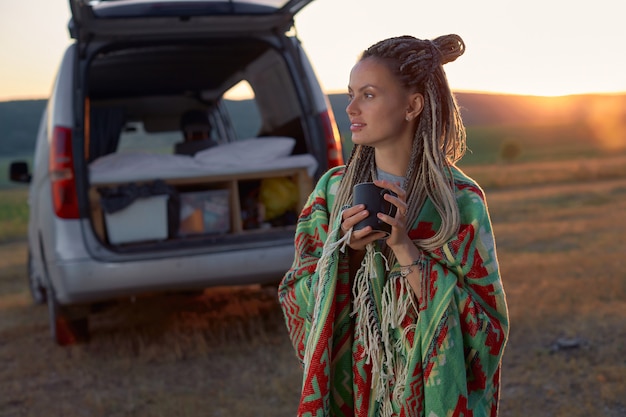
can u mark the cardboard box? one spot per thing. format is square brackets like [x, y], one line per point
[144, 219]
[204, 212]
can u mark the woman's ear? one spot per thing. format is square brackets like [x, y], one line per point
[416, 105]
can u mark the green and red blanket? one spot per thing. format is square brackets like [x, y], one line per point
[369, 346]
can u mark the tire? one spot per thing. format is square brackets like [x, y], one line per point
[35, 286]
[69, 325]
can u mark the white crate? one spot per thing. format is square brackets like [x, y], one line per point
[145, 219]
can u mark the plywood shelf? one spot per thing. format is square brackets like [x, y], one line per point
[230, 182]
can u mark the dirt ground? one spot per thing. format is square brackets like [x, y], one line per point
[562, 253]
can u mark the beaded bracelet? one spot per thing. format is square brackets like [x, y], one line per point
[407, 269]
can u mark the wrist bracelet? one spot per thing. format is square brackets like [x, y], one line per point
[407, 269]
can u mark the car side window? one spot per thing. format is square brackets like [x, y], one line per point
[240, 102]
[134, 138]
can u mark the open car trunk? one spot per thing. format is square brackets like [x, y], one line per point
[246, 190]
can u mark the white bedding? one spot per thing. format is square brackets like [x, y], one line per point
[250, 155]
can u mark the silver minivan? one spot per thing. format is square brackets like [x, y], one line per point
[114, 211]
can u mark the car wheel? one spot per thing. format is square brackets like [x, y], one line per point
[68, 325]
[37, 290]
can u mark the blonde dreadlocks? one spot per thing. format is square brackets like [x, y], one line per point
[439, 139]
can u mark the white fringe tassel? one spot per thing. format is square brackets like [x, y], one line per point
[388, 365]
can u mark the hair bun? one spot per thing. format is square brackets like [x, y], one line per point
[450, 47]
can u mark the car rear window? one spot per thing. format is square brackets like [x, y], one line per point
[131, 8]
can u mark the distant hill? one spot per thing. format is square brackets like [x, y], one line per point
[19, 121]
[485, 109]
[600, 115]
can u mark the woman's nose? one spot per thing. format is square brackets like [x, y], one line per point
[351, 108]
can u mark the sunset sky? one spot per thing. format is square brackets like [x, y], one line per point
[538, 47]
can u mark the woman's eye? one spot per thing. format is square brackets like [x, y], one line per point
[351, 96]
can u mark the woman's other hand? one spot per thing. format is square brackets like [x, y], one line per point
[399, 233]
[360, 238]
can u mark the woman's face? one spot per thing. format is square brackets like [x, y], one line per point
[378, 106]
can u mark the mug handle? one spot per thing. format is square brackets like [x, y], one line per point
[392, 208]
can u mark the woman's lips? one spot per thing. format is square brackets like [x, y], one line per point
[356, 126]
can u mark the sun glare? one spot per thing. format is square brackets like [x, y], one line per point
[607, 121]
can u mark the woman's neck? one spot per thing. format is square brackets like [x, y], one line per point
[394, 161]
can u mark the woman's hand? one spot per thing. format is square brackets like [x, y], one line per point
[399, 233]
[360, 238]
[402, 246]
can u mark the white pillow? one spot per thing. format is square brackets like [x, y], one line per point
[253, 150]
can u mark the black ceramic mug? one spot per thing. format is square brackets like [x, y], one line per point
[373, 197]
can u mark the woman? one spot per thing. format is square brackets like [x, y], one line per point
[414, 325]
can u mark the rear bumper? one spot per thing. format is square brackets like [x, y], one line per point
[90, 280]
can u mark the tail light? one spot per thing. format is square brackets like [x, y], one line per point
[334, 151]
[62, 179]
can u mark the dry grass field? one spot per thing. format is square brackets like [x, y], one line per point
[560, 231]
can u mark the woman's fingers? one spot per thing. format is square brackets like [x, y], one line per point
[392, 186]
[399, 200]
[398, 221]
[352, 216]
[361, 238]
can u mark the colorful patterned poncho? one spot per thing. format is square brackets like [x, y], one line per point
[369, 346]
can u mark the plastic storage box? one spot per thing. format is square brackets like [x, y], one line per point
[204, 212]
[144, 219]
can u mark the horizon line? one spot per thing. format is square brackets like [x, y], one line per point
[340, 92]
